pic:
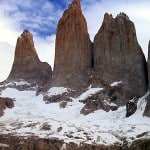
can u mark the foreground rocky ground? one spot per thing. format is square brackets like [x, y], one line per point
[9, 142]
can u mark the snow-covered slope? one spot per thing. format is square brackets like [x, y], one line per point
[31, 116]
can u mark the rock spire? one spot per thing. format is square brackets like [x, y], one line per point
[26, 65]
[118, 57]
[72, 50]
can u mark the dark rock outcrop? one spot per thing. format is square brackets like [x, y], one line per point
[26, 65]
[5, 103]
[131, 107]
[118, 57]
[104, 99]
[72, 54]
[147, 108]
[141, 144]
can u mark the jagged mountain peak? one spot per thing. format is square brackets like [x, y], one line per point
[107, 16]
[25, 45]
[72, 48]
[26, 32]
[27, 65]
[75, 4]
[122, 15]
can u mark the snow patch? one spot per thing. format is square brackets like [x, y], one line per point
[109, 103]
[19, 83]
[89, 93]
[57, 91]
[115, 83]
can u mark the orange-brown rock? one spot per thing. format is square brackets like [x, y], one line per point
[72, 54]
[118, 57]
[26, 65]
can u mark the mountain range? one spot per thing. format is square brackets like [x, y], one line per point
[96, 97]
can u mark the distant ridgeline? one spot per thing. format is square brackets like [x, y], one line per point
[114, 61]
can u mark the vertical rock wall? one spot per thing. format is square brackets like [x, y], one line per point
[118, 57]
[72, 54]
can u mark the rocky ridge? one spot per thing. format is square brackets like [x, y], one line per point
[114, 62]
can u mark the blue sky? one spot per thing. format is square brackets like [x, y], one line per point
[41, 18]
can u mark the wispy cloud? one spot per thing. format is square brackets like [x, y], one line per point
[37, 16]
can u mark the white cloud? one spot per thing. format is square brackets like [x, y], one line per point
[8, 32]
[47, 6]
[6, 59]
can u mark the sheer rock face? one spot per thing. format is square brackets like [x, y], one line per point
[149, 63]
[118, 57]
[147, 108]
[26, 65]
[72, 55]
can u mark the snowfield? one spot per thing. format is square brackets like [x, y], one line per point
[31, 116]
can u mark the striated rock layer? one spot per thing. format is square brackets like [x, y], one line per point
[72, 54]
[26, 65]
[118, 57]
